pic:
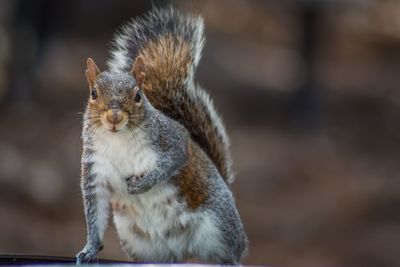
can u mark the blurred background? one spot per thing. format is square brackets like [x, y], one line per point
[309, 91]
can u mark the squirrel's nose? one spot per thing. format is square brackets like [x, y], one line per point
[114, 116]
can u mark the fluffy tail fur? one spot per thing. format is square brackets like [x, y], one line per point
[170, 44]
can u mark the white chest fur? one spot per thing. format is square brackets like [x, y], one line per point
[120, 155]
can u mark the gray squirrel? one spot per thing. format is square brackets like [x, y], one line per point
[155, 151]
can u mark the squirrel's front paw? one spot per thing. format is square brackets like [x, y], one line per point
[136, 184]
[87, 255]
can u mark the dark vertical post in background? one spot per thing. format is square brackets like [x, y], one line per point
[305, 107]
[31, 25]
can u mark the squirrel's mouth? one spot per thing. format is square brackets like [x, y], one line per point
[114, 128]
[114, 123]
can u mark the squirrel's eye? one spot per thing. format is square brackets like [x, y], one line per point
[94, 94]
[137, 97]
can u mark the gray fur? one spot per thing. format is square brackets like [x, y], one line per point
[169, 161]
[94, 243]
[222, 203]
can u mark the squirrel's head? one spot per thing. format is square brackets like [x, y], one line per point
[116, 99]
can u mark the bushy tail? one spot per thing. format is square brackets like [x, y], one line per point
[170, 44]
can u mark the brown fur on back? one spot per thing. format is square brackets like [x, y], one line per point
[191, 179]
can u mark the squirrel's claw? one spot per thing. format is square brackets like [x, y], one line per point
[88, 255]
[136, 184]
[85, 257]
[133, 178]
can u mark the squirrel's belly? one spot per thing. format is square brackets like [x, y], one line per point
[145, 222]
[156, 226]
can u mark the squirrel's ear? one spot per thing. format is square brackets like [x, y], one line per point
[92, 71]
[138, 71]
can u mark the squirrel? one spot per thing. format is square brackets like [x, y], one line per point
[155, 151]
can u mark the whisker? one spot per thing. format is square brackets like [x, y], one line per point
[132, 127]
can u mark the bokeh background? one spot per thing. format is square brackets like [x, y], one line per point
[309, 91]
